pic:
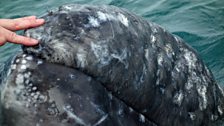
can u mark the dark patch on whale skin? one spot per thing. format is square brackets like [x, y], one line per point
[37, 93]
[142, 64]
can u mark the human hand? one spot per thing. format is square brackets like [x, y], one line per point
[7, 26]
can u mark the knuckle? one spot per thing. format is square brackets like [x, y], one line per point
[12, 36]
[16, 25]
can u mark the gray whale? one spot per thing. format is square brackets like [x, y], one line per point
[144, 67]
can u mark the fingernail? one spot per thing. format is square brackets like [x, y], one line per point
[34, 42]
[40, 20]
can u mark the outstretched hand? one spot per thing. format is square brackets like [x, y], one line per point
[7, 26]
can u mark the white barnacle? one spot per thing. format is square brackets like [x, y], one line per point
[110, 95]
[26, 75]
[160, 59]
[190, 59]
[29, 58]
[24, 61]
[130, 109]
[17, 60]
[102, 16]
[42, 98]
[68, 7]
[34, 88]
[29, 100]
[141, 118]
[178, 98]
[30, 85]
[157, 81]
[192, 79]
[13, 66]
[32, 94]
[29, 90]
[220, 110]
[19, 79]
[189, 85]
[23, 67]
[109, 17]
[38, 93]
[192, 115]
[71, 76]
[39, 62]
[152, 38]
[106, 17]
[154, 27]
[69, 95]
[202, 90]
[169, 50]
[81, 58]
[27, 82]
[147, 54]
[94, 21]
[24, 55]
[214, 117]
[68, 107]
[123, 19]
[27, 105]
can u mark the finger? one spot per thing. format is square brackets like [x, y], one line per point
[14, 38]
[11, 24]
[21, 23]
[2, 41]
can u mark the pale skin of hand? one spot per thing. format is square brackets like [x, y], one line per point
[8, 26]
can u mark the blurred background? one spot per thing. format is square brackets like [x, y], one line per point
[199, 22]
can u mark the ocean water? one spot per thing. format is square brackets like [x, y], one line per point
[199, 22]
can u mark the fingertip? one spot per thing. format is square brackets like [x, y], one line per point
[40, 21]
[30, 42]
[33, 42]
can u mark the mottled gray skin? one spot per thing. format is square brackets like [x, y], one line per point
[36, 93]
[142, 64]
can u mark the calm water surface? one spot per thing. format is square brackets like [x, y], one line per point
[199, 22]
